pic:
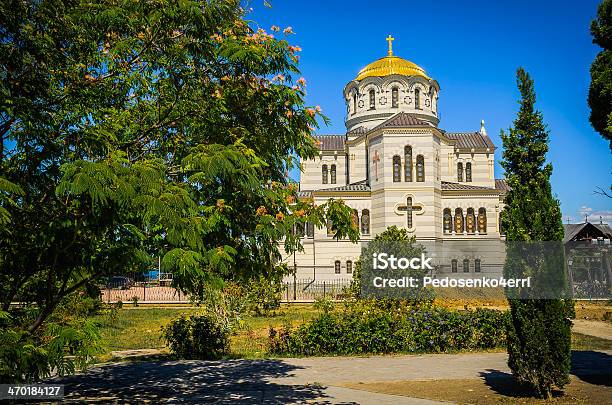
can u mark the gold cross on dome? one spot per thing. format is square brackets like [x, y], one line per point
[390, 40]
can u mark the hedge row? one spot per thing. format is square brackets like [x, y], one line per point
[373, 330]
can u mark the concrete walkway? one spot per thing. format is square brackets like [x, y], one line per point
[598, 329]
[291, 381]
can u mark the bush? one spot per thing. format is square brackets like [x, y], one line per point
[370, 329]
[202, 337]
[61, 348]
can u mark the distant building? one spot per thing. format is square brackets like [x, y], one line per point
[587, 231]
[588, 253]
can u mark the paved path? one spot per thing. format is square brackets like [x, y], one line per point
[291, 381]
[598, 329]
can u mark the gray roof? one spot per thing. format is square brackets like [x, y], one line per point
[304, 194]
[330, 142]
[572, 230]
[447, 185]
[403, 120]
[358, 186]
[469, 140]
[502, 185]
[357, 131]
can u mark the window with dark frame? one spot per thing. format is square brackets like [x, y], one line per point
[420, 168]
[407, 163]
[324, 174]
[365, 222]
[394, 97]
[397, 168]
[332, 173]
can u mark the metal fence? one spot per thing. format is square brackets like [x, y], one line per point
[143, 293]
[310, 290]
[127, 290]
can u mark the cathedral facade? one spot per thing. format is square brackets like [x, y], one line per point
[396, 166]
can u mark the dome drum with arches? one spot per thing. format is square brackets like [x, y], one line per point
[388, 86]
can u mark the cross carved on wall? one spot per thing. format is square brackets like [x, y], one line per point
[407, 209]
[375, 160]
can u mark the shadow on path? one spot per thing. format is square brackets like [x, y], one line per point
[192, 381]
[590, 366]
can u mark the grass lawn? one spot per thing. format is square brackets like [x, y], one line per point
[140, 328]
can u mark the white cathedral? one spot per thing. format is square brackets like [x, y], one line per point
[395, 166]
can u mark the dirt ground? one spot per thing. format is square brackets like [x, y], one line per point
[490, 390]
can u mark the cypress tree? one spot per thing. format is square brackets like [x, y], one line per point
[538, 332]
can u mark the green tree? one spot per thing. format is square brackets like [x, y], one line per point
[538, 332]
[392, 241]
[600, 91]
[134, 128]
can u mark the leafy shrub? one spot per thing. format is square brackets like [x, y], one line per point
[370, 329]
[324, 304]
[201, 337]
[258, 296]
[263, 295]
[62, 346]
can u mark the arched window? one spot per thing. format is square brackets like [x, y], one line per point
[397, 168]
[407, 163]
[349, 267]
[447, 221]
[355, 218]
[420, 168]
[468, 172]
[417, 99]
[372, 100]
[459, 223]
[299, 230]
[310, 229]
[324, 174]
[454, 265]
[332, 173]
[365, 222]
[470, 220]
[354, 103]
[394, 97]
[330, 227]
[466, 265]
[477, 266]
[337, 267]
[482, 220]
[459, 171]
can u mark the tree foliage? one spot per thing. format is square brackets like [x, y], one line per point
[600, 91]
[538, 333]
[136, 128]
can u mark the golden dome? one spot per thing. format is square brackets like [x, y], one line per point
[391, 65]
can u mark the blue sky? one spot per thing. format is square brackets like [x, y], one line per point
[472, 48]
